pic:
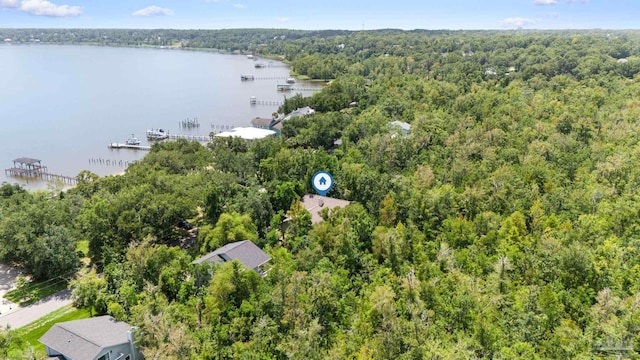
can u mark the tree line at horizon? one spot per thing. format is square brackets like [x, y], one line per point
[504, 225]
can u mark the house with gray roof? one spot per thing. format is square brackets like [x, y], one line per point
[305, 111]
[401, 126]
[246, 252]
[98, 338]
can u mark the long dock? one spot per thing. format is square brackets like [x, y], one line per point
[254, 101]
[32, 168]
[127, 146]
[201, 138]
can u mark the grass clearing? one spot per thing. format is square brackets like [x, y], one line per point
[83, 247]
[35, 291]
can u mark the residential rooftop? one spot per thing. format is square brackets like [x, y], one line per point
[85, 338]
[315, 203]
[247, 133]
[248, 253]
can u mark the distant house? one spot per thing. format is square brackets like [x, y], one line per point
[269, 124]
[314, 204]
[98, 338]
[399, 125]
[305, 111]
[246, 252]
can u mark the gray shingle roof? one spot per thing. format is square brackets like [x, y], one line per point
[84, 339]
[400, 124]
[248, 253]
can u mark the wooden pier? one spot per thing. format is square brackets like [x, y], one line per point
[32, 168]
[304, 89]
[189, 123]
[201, 138]
[128, 146]
[254, 101]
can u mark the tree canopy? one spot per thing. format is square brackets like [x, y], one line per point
[503, 224]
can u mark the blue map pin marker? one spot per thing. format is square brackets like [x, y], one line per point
[322, 182]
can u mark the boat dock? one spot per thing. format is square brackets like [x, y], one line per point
[201, 138]
[128, 146]
[254, 101]
[189, 123]
[253, 77]
[32, 168]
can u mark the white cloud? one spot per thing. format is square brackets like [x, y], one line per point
[281, 19]
[46, 8]
[517, 22]
[545, 2]
[153, 11]
[9, 3]
[239, 6]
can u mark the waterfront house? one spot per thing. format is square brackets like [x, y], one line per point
[305, 111]
[246, 252]
[98, 338]
[269, 124]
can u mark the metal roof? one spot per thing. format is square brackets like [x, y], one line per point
[26, 160]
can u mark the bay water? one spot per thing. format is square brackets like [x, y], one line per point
[63, 104]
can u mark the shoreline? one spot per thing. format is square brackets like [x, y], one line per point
[76, 162]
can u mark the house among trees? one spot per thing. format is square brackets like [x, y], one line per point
[315, 204]
[98, 338]
[400, 125]
[269, 124]
[246, 252]
[305, 111]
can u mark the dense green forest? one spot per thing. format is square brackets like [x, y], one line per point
[504, 225]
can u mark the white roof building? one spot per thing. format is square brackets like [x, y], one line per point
[247, 133]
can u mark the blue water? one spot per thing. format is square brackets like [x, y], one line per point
[64, 104]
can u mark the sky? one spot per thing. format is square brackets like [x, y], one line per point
[322, 14]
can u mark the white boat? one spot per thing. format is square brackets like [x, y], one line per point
[132, 140]
[291, 80]
[157, 134]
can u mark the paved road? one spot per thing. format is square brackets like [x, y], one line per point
[22, 316]
[8, 275]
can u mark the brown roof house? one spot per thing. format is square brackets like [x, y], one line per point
[269, 124]
[246, 252]
[98, 338]
[315, 204]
